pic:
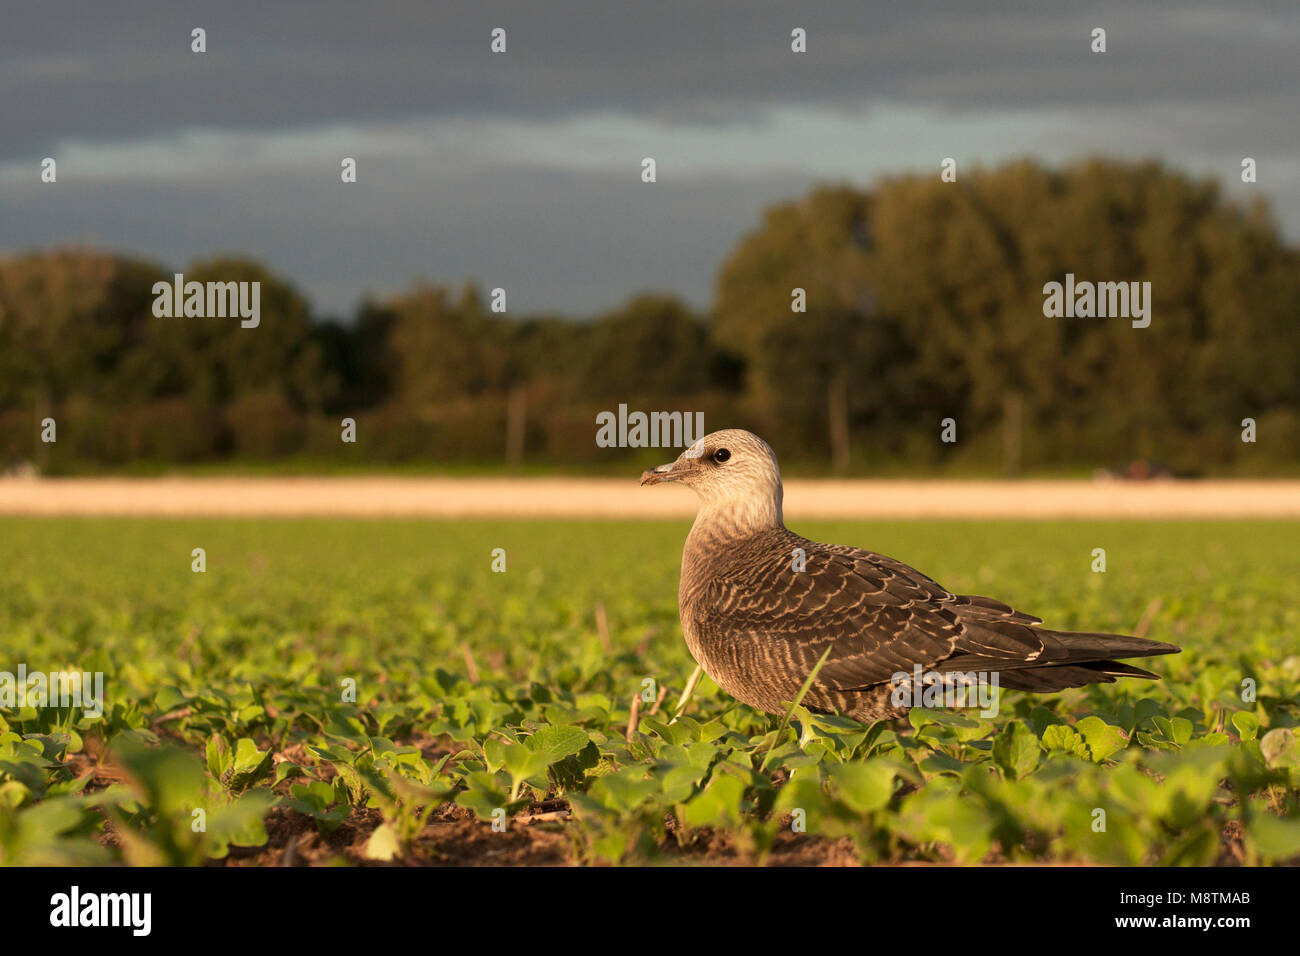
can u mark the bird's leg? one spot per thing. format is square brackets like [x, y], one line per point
[686, 694]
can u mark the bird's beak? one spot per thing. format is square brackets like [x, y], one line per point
[685, 465]
[660, 473]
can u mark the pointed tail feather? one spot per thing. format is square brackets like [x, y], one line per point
[1068, 659]
[1110, 645]
[1044, 680]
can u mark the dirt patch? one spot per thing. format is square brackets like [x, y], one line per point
[453, 836]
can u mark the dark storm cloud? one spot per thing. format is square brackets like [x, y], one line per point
[520, 169]
[554, 239]
[94, 70]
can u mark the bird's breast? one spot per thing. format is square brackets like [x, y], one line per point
[728, 656]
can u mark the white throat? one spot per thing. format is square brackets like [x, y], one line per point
[737, 515]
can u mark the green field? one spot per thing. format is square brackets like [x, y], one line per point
[488, 697]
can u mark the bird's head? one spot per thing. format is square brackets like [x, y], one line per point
[733, 471]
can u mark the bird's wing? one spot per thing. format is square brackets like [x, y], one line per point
[878, 615]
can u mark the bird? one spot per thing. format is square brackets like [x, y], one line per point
[761, 605]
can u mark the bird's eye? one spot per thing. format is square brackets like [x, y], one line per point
[721, 455]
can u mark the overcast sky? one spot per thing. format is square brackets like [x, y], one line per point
[522, 169]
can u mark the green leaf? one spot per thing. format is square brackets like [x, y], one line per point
[1016, 750]
[170, 779]
[218, 756]
[554, 743]
[249, 765]
[864, 787]
[286, 769]
[483, 795]
[523, 762]
[1247, 724]
[240, 823]
[624, 791]
[717, 805]
[247, 757]
[680, 782]
[1175, 730]
[1061, 737]
[1281, 747]
[1276, 838]
[383, 844]
[494, 754]
[1103, 739]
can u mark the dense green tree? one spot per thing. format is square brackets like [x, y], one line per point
[921, 300]
[66, 318]
[809, 371]
[963, 265]
[652, 346]
[213, 360]
[443, 347]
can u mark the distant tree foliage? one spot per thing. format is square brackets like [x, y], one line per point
[951, 277]
[844, 329]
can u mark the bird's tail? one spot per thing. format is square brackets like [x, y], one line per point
[1112, 645]
[1088, 658]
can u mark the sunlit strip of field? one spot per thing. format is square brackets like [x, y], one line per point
[619, 498]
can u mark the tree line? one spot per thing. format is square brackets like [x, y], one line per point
[855, 329]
